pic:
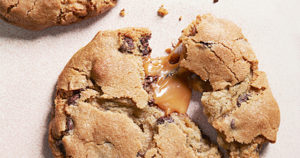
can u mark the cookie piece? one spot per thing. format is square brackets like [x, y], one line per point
[122, 13]
[102, 109]
[240, 104]
[217, 51]
[162, 11]
[245, 114]
[40, 14]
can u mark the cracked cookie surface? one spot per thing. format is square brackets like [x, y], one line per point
[239, 104]
[40, 14]
[102, 107]
[217, 51]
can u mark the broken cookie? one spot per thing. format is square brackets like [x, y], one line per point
[238, 103]
[114, 100]
[40, 14]
[106, 104]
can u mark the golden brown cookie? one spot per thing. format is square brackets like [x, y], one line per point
[239, 103]
[217, 51]
[103, 107]
[40, 14]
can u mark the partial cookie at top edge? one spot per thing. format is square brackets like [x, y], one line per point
[40, 14]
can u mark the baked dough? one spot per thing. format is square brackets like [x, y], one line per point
[40, 14]
[238, 103]
[102, 109]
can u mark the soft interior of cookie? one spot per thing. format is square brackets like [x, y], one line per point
[172, 89]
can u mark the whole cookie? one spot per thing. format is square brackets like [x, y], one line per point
[40, 14]
[238, 103]
[102, 108]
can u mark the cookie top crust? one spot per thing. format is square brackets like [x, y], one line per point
[103, 110]
[244, 112]
[112, 61]
[113, 99]
[217, 51]
[238, 101]
[40, 14]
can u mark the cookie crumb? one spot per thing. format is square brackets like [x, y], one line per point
[215, 1]
[122, 13]
[180, 18]
[168, 51]
[162, 11]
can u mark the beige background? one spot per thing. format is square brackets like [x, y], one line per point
[30, 62]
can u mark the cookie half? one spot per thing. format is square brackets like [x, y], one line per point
[104, 107]
[236, 98]
[40, 14]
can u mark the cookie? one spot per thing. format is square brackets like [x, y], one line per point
[104, 105]
[40, 14]
[237, 98]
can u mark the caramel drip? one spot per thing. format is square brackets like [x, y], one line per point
[171, 91]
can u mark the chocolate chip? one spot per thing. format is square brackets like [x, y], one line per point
[127, 45]
[70, 124]
[151, 79]
[144, 48]
[174, 59]
[148, 81]
[232, 124]
[193, 31]
[242, 98]
[74, 97]
[60, 146]
[164, 119]
[151, 103]
[140, 154]
[215, 1]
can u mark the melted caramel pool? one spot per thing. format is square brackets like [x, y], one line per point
[171, 91]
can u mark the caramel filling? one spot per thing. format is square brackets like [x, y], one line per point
[172, 92]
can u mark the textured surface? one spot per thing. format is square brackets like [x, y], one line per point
[101, 108]
[33, 61]
[217, 51]
[40, 14]
[240, 105]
